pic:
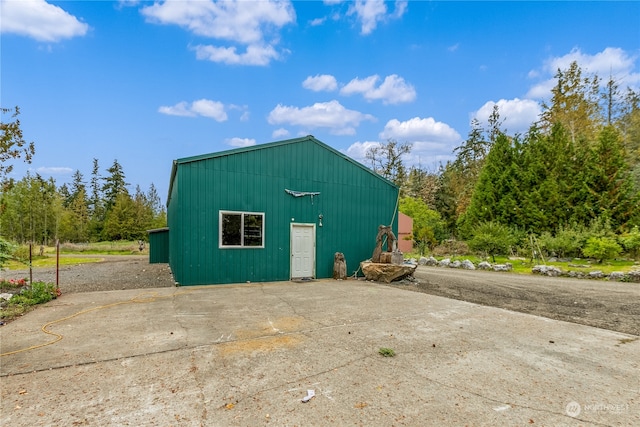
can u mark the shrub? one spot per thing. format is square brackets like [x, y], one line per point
[492, 238]
[451, 247]
[601, 248]
[631, 242]
[6, 250]
[39, 293]
[567, 242]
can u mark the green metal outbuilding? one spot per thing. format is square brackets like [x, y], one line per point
[158, 245]
[271, 212]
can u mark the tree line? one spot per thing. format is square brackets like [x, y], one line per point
[576, 170]
[36, 210]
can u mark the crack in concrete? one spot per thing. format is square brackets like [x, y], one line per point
[289, 305]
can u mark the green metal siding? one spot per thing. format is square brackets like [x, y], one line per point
[159, 246]
[353, 202]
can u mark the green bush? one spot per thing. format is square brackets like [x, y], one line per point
[38, 293]
[567, 242]
[6, 251]
[631, 242]
[601, 248]
[492, 238]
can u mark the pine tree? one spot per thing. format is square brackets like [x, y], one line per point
[119, 223]
[114, 185]
[96, 204]
[609, 179]
[492, 198]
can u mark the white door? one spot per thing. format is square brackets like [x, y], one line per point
[303, 251]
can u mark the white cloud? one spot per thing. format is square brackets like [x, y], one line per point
[280, 133]
[239, 21]
[241, 142]
[39, 20]
[431, 141]
[317, 22]
[419, 129]
[371, 12]
[320, 82]
[203, 107]
[393, 90]
[331, 115]
[254, 55]
[517, 114]
[54, 170]
[211, 109]
[254, 24]
[611, 61]
[358, 151]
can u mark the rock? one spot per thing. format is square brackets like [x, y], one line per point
[546, 270]
[634, 276]
[431, 261]
[386, 273]
[6, 296]
[484, 265]
[397, 257]
[444, 263]
[617, 276]
[596, 274]
[455, 264]
[422, 261]
[468, 265]
[503, 267]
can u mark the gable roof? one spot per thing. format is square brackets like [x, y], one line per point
[265, 146]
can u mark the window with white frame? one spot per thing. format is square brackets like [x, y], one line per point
[241, 229]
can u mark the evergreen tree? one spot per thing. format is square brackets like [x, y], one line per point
[629, 125]
[609, 180]
[492, 194]
[114, 185]
[65, 193]
[96, 204]
[119, 223]
[143, 214]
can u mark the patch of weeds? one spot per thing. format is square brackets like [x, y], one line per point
[38, 293]
[627, 340]
[386, 352]
[19, 304]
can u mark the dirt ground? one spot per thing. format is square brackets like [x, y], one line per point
[603, 304]
[599, 303]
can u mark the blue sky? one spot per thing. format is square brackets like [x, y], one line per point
[149, 82]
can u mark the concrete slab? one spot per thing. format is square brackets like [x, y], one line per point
[247, 354]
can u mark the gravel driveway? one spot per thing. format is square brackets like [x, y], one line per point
[112, 272]
[600, 303]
